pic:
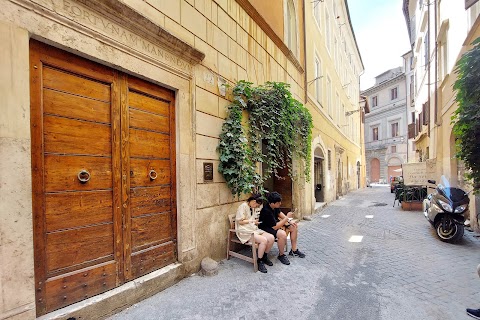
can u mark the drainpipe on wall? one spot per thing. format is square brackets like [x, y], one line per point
[428, 66]
[435, 117]
[305, 84]
[408, 101]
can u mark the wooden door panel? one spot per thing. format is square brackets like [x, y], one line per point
[283, 185]
[74, 84]
[149, 200]
[82, 284]
[374, 170]
[150, 260]
[151, 207]
[77, 227]
[149, 121]
[77, 246]
[93, 236]
[69, 105]
[144, 88]
[149, 104]
[69, 136]
[61, 173]
[70, 210]
[140, 170]
[146, 144]
[150, 230]
[45, 55]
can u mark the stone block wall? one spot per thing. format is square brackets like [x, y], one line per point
[235, 48]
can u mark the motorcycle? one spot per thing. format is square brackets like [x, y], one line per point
[446, 209]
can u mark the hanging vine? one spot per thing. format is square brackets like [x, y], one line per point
[274, 117]
[466, 118]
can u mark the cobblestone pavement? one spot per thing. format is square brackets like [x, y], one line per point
[400, 270]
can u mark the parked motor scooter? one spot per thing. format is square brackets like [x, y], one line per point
[445, 209]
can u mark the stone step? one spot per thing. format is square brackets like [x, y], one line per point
[319, 206]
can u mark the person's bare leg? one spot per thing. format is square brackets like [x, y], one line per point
[293, 237]
[281, 241]
[270, 241]
[262, 244]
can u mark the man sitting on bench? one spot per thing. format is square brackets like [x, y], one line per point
[273, 221]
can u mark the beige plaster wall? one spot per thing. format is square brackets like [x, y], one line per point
[16, 244]
[441, 137]
[236, 48]
[331, 132]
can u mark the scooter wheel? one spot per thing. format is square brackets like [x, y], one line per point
[453, 234]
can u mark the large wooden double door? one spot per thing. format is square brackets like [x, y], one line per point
[103, 168]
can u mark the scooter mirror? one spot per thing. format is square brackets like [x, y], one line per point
[432, 181]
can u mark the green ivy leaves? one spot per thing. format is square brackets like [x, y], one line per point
[466, 118]
[277, 119]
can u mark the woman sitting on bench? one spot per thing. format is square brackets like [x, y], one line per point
[246, 223]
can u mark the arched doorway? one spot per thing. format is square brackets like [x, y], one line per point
[318, 175]
[358, 174]
[394, 167]
[374, 170]
[281, 182]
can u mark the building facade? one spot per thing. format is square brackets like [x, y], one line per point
[333, 69]
[109, 129]
[386, 126]
[440, 32]
[410, 104]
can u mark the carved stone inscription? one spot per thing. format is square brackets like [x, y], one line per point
[88, 18]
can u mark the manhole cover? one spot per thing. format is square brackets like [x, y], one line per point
[378, 204]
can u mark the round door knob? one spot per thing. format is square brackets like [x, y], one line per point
[83, 176]
[152, 174]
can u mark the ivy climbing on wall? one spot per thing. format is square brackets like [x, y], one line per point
[273, 116]
[466, 118]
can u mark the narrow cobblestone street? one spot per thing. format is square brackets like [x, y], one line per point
[399, 270]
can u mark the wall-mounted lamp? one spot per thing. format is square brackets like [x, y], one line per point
[311, 81]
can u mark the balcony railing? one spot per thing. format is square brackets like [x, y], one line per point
[383, 143]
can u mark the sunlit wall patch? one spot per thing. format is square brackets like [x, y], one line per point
[355, 239]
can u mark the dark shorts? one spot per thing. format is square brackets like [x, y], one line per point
[272, 231]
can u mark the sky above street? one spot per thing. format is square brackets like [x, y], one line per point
[382, 36]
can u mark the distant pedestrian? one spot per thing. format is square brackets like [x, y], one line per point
[475, 313]
[277, 223]
[246, 223]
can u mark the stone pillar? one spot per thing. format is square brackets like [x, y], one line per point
[17, 295]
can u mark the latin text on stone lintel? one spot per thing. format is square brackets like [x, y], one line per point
[82, 15]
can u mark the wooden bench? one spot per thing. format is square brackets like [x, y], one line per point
[233, 242]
